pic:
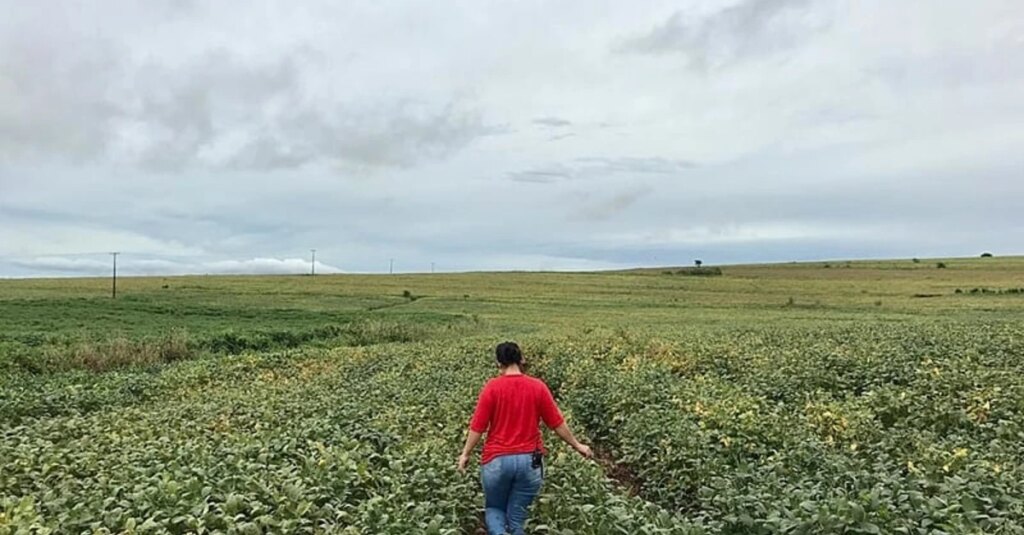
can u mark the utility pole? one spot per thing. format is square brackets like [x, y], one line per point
[113, 284]
[312, 263]
[391, 267]
[431, 267]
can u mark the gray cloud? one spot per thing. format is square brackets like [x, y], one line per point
[746, 29]
[960, 69]
[552, 122]
[52, 104]
[559, 137]
[591, 167]
[216, 110]
[612, 206]
[198, 136]
[655, 165]
[544, 175]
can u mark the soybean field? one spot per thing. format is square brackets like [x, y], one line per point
[839, 397]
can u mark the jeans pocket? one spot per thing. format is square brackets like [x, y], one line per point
[537, 476]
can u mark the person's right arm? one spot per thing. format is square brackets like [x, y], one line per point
[553, 419]
[479, 423]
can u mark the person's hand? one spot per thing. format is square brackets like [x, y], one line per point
[463, 461]
[584, 450]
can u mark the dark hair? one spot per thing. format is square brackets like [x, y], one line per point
[508, 353]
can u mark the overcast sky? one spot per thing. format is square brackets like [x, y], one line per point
[215, 137]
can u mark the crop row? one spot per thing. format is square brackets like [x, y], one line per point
[859, 429]
[50, 352]
[350, 440]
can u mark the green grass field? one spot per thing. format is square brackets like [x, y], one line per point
[828, 397]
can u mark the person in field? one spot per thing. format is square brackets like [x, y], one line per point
[510, 409]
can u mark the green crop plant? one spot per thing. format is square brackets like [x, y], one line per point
[336, 404]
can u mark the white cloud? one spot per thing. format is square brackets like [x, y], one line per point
[35, 234]
[757, 232]
[267, 265]
[64, 265]
[129, 266]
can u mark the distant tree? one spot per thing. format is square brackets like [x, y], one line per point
[698, 262]
[941, 265]
[986, 255]
[916, 260]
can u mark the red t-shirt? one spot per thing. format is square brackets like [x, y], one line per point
[510, 409]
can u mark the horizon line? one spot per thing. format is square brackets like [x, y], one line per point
[500, 271]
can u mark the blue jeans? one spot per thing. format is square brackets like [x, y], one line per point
[510, 485]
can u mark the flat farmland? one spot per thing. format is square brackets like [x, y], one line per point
[826, 397]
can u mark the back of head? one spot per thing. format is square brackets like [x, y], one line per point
[508, 353]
